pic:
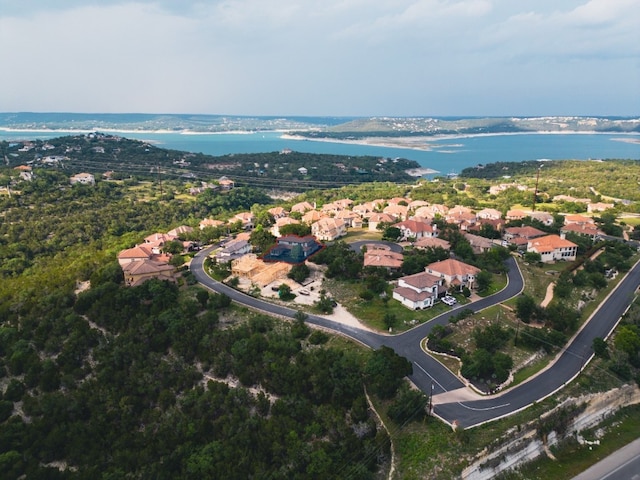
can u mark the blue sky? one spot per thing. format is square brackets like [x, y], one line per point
[329, 57]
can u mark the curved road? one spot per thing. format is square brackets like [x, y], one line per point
[432, 377]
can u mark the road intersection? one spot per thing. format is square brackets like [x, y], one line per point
[453, 401]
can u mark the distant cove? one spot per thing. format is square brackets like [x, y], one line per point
[445, 155]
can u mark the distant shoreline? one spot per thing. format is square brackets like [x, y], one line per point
[425, 143]
[409, 143]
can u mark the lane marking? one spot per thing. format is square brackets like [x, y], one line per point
[483, 409]
[427, 374]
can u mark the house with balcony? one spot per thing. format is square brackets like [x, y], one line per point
[329, 229]
[456, 274]
[553, 248]
[419, 291]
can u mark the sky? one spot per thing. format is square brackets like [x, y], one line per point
[322, 58]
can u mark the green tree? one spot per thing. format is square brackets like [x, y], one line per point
[525, 308]
[483, 281]
[385, 370]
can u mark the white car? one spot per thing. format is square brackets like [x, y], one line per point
[448, 300]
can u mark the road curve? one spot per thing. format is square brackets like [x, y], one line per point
[432, 377]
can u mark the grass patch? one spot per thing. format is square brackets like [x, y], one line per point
[530, 370]
[372, 312]
[362, 234]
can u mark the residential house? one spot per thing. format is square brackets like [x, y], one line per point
[83, 178]
[234, 249]
[416, 229]
[302, 207]
[520, 236]
[364, 209]
[569, 198]
[293, 249]
[246, 218]
[419, 291]
[516, 215]
[179, 231]
[544, 217]
[378, 218]
[281, 222]
[156, 241]
[432, 242]
[351, 219]
[479, 244]
[455, 273]
[332, 208]
[430, 211]
[313, 216]
[553, 248]
[415, 204]
[489, 214]
[578, 220]
[461, 216]
[345, 203]
[402, 201]
[589, 230]
[277, 212]
[599, 207]
[135, 254]
[210, 222]
[225, 183]
[138, 272]
[378, 257]
[329, 229]
[399, 212]
[303, 171]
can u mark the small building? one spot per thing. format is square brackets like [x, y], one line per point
[225, 183]
[83, 178]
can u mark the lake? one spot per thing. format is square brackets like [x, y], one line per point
[446, 155]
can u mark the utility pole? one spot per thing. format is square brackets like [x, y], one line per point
[535, 191]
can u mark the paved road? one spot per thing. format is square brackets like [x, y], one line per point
[432, 377]
[623, 464]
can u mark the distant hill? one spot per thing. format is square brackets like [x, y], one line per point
[317, 127]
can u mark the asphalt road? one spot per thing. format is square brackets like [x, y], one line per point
[432, 377]
[623, 464]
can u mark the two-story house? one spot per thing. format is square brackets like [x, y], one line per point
[419, 291]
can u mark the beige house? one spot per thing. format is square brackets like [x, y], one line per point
[138, 272]
[455, 273]
[553, 248]
[329, 229]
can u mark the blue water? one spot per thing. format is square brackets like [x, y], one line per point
[447, 154]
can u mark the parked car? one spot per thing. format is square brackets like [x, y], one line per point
[304, 291]
[449, 300]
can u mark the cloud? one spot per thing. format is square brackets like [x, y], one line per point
[335, 57]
